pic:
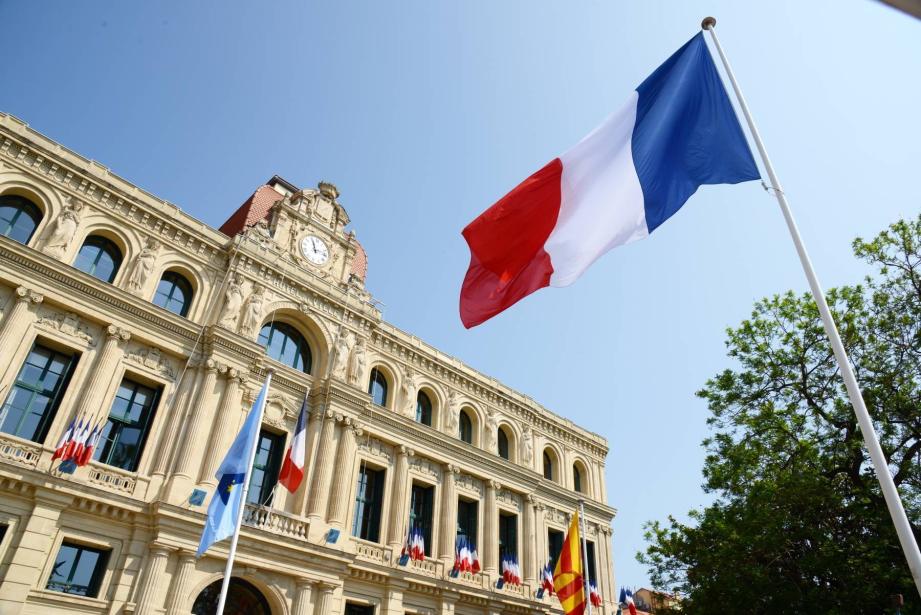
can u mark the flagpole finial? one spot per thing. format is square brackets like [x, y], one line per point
[708, 23]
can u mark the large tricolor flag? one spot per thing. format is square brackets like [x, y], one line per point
[678, 131]
[292, 470]
[567, 577]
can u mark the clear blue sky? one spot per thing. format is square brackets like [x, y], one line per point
[424, 113]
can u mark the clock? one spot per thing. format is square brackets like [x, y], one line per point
[314, 249]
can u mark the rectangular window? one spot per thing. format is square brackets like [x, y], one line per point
[78, 570]
[125, 433]
[467, 513]
[2, 533]
[590, 555]
[368, 497]
[420, 513]
[508, 535]
[34, 398]
[267, 463]
[358, 609]
[554, 545]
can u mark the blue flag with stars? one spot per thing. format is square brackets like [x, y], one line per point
[227, 499]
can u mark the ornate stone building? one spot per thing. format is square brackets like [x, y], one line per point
[117, 307]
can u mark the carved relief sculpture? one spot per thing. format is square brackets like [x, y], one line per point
[527, 445]
[252, 312]
[341, 360]
[144, 266]
[233, 301]
[452, 412]
[410, 384]
[63, 230]
[492, 433]
[357, 362]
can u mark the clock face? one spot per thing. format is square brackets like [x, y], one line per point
[314, 249]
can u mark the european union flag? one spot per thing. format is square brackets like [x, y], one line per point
[227, 501]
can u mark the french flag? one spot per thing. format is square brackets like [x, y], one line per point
[463, 560]
[80, 443]
[546, 579]
[65, 441]
[626, 598]
[292, 470]
[91, 442]
[676, 132]
[594, 596]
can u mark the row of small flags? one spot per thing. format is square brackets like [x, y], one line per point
[414, 547]
[466, 558]
[78, 442]
[511, 572]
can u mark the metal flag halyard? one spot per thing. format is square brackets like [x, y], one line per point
[585, 579]
[880, 465]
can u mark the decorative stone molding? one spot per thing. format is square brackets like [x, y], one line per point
[505, 496]
[19, 452]
[67, 323]
[119, 334]
[375, 448]
[424, 466]
[152, 359]
[29, 296]
[469, 483]
[111, 478]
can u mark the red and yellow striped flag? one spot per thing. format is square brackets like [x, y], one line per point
[567, 577]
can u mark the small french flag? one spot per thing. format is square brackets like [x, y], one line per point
[65, 441]
[292, 470]
[626, 598]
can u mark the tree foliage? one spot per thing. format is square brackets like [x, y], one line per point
[799, 523]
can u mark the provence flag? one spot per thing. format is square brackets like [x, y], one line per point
[224, 509]
[567, 578]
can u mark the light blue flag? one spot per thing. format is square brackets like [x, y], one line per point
[224, 509]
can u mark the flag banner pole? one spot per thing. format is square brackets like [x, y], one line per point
[228, 569]
[588, 598]
[880, 466]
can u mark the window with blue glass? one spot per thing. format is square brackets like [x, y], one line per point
[423, 409]
[548, 466]
[34, 398]
[78, 570]
[99, 257]
[266, 465]
[366, 524]
[377, 387]
[420, 513]
[502, 444]
[465, 427]
[286, 345]
[19, 217]
[174, 293]
[125, 432]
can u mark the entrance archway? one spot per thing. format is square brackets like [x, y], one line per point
[242, 599]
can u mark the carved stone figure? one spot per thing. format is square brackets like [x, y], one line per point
[144, 266]
[409, 386]
[233, 301]
[492, 433]
[452, 412]
[341, 358]
[62, 232]
[252, 312]
[527, 445]
[357, 362]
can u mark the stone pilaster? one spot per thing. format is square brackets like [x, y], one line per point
[345, 461]
[223, 427]
[325, 601]
[398, 503]
[447, 533]
[529, 562]
[181, 585]
[302, 593]
[173, 428]
[150, 593]
[191, 451]
[32, 550]
[20, 315]
[393, 600]
[101, 375]
[322, 474]
[490, 552]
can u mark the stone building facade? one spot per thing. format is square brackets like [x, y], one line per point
[118, 308]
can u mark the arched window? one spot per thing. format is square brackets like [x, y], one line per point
[242, 597]
[503, 444]
[548, 466]
[19, 218]
[423, 409]
[465, 427]
[377, 387]
[99, 257]
[286, 345]
[576, 478]
[174, 293]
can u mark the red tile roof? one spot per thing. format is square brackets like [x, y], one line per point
[254, 209]
[360, 262]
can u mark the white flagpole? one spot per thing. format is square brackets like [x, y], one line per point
[588, 594]
[228, 569]
[881, 467]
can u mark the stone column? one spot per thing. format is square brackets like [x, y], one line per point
[19, 316]
[177, 601]
[191, 451]
[393, 600]
[345, 461]
[605, 570]
[540, 531]
[448, 531]
[102, 372]
[150, 593]
[31, 551]
[322, 473]
[491, 529]
[325, 602]
[529, 562]
[223, 426]
[398, 512]
[446, 605]
[314, 426]
[302, 596]
[169, 435]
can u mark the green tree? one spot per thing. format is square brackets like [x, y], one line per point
[799, 523]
